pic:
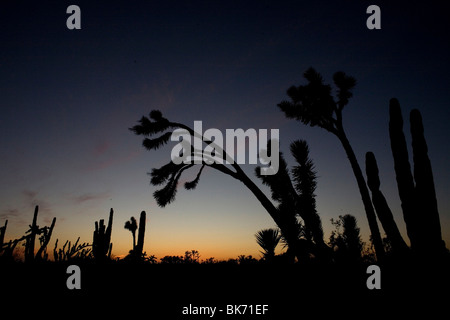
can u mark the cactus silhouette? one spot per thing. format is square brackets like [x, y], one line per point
[30, 240]
[313, 104]
[268, 240]
[101, 245]
[346, 243]
[6, 249]
[132, 226]
[404, 177]
[417, 192]
[383, 211]
[136, 252]
[141, 234]
[419, 202]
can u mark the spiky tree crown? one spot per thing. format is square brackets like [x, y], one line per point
[313, 104]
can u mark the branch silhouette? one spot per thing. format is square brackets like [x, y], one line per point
[285, 215]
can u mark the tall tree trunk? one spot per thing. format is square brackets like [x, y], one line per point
[365, 196]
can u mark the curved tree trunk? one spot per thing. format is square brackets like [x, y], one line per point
[284, 222]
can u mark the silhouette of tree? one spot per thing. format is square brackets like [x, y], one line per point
[141, 234]
[132, 227]
[45, 234]
[150, 259]
[296, 199]
[246, 260]
[352, 236]
[192, 256]
[268, 240]
[170, 173]
[210, 260]
[4, 252]
[136, 252]
[171, 260]
[313, 104]
[296, 194]
[346, 243]
[2, 235]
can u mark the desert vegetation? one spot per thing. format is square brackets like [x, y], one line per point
[297, 239]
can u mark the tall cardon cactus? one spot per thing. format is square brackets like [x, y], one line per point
[416, 188]
[419, 201]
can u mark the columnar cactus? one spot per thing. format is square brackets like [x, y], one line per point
[141, 233]
[46, 234]
[405, 180]
[384, 213]
[417, 192]
[2, 235]
[425, 194]
[101, 245]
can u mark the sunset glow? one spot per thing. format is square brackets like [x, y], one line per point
[68, 98]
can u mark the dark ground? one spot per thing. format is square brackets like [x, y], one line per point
[161, 291]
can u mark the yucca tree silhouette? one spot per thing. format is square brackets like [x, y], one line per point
[313, 104]
[169, 174]
[268, 240]
[293, 190]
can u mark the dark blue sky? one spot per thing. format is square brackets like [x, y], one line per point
[68, 98]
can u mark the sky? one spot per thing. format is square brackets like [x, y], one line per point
[68, 97]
